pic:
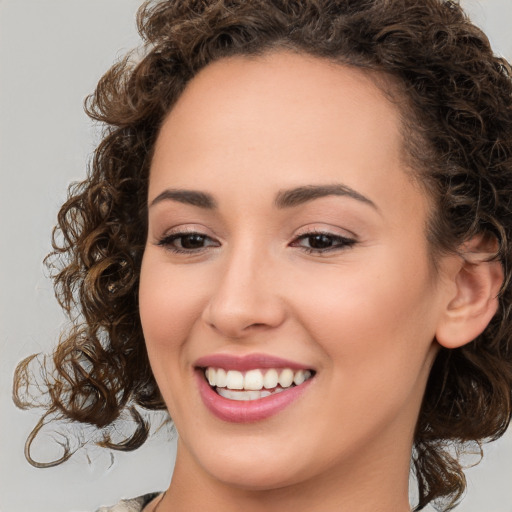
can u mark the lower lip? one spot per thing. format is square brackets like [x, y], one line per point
[236, 411]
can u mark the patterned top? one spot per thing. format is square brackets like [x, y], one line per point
[133, 505]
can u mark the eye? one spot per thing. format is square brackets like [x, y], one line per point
[322, 242]
[187, 243]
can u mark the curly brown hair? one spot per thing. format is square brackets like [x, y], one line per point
[458, 120]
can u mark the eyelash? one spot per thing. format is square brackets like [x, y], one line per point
[167, 242]
[339, 242]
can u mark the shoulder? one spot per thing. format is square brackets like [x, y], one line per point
[132, 505]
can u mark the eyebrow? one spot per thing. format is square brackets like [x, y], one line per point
[300, 195]
[192, 197]
[284, 198]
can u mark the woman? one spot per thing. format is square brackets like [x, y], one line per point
[295, 237]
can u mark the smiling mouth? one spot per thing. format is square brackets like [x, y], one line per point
[254, 384]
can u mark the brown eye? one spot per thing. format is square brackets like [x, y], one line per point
[320, 241]
[192, 241]
[187, 243]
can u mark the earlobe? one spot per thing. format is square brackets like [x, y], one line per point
[475, 300]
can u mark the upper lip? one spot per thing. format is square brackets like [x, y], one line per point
[247, 362]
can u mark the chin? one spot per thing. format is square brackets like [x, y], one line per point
[250, 464]
[247, 476]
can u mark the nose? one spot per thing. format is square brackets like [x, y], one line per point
[245, 297]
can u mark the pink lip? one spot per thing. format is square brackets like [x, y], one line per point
[248, 362]
[252, 410]
[249, 411]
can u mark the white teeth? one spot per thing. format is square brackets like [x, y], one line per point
[255, 380]
[221, 378]
[299, 377]
[234, 380]
[210, 375]
[286, 378]
[271, 378]
[242, 396]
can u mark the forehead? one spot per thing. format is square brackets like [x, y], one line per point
[263, 93]
[277, 121]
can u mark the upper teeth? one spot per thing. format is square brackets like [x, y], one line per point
[255, 379]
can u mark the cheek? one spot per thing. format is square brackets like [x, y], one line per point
[169, 304]
[373, 320]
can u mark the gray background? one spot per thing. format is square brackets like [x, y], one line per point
[52, 52]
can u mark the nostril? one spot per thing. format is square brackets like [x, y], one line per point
[257, 326]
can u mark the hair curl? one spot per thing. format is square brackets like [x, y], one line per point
[459, 111]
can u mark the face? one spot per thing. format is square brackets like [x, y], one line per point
[287, 242]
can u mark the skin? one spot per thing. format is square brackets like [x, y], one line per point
[364, 315]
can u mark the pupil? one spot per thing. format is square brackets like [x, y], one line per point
[192, 241]
[320, 241]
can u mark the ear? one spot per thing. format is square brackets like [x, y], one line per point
[473, 297]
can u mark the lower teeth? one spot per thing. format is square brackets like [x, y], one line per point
[232, 394]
